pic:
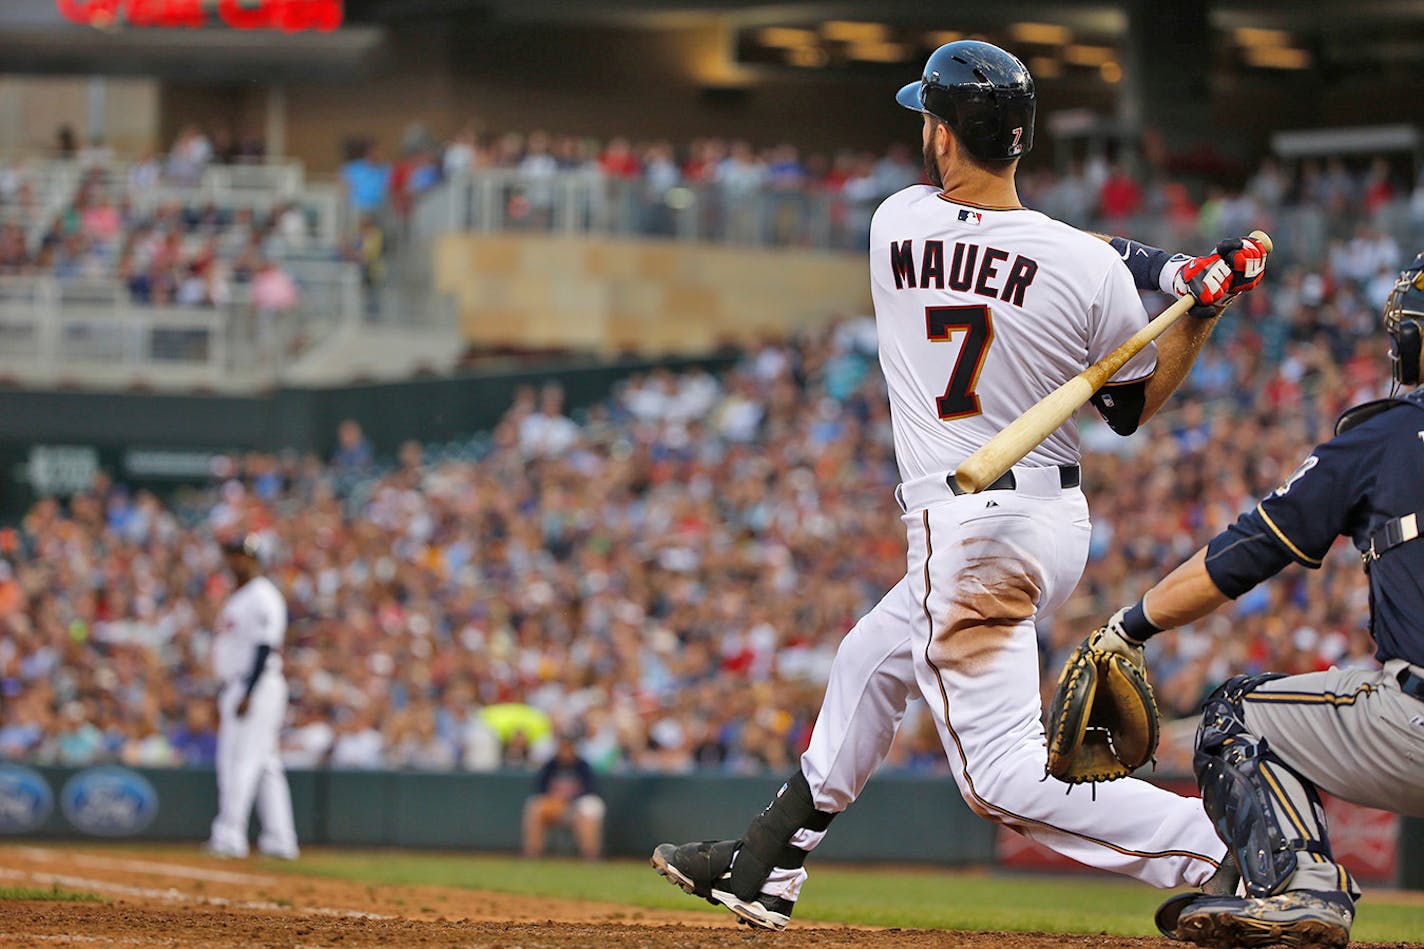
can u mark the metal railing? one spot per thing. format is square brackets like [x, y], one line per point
[50, 187]
[92, 333]
[589, 203]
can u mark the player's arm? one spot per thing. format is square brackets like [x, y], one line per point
[1296, 523]
[259, 662]
[1215, 279]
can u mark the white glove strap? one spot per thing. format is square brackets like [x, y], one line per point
[1167, 279]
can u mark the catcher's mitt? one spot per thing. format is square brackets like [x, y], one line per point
[1103, 722]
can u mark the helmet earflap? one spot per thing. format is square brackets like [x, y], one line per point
[1406, 345]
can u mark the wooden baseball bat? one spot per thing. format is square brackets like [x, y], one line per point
[1024, 433]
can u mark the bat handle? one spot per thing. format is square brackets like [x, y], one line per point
[1264, 239]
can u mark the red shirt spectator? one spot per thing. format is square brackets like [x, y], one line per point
[1120, 196]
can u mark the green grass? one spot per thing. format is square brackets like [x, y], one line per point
[920, 899]
[54, 894]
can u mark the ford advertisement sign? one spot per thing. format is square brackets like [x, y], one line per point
[109, 802]
[25, 800]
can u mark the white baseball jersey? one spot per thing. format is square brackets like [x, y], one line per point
[254, 614]
[980, 313]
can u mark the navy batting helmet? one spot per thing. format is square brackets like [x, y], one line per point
[981, 92]
[1404, 322]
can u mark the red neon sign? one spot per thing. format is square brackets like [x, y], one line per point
[288, 16]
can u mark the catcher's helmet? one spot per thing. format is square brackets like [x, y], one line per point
[1404, 322]
[981, 92]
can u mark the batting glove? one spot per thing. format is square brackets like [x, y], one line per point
[1206, 278]
[1247, 260]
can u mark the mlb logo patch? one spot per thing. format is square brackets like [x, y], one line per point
[970, 217]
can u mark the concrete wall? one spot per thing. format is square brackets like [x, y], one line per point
[643, 296]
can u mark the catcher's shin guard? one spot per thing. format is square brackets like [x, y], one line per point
[1248, 792]
[767, 842]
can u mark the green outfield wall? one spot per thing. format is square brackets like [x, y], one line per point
[899, 818]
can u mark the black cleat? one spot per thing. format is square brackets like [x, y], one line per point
[705, 869]
[1299, 919]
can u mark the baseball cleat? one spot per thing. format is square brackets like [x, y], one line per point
[698, 868]
[1300, 919]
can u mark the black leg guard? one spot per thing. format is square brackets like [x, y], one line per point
[767, 842]
[1241, 792]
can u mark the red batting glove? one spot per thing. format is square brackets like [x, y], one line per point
[1247, 260]
[1206, 278]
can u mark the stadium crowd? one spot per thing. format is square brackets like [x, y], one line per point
[188, 251]
[666, 573]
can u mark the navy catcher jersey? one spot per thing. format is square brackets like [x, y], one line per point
[1352, 485]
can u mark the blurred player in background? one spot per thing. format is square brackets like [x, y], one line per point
[565, 794]
[983, 307]
[1267, 742]
[252, 703]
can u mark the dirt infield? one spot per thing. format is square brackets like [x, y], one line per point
[164, 900]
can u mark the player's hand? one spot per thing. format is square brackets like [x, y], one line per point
[1110, 637]
[1206, 278]
[1247, 260]
[242, 706]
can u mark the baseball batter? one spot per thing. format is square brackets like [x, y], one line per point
[252, 702]
[982, 308]
[1268, 742]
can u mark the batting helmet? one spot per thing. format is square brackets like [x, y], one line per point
[1404, 322]
[981, 92]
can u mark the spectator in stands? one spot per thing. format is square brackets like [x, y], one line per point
[565, 794]
[66, 143]
[537, 170]
[353, 449]
[189, 157]
[358, 744]
[546, 431]
[1120, 196]
[461, 154]
[273, 293]
[367, 249]
[194, 740]
[366, 178]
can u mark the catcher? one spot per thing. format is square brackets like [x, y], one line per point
[1269, 743]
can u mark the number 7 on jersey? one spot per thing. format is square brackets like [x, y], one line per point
[942, 322]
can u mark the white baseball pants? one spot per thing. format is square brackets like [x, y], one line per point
[959, 630]
[249, 765]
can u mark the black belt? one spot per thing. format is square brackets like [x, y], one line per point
[1069, 476]
[1411, 683]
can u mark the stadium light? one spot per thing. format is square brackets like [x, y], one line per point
[785, 37]
[1080, 55]
[1045, 67]
[1252, 36]
[1284, 57]
[877, 52]
[853, 31]
[1044, 34]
